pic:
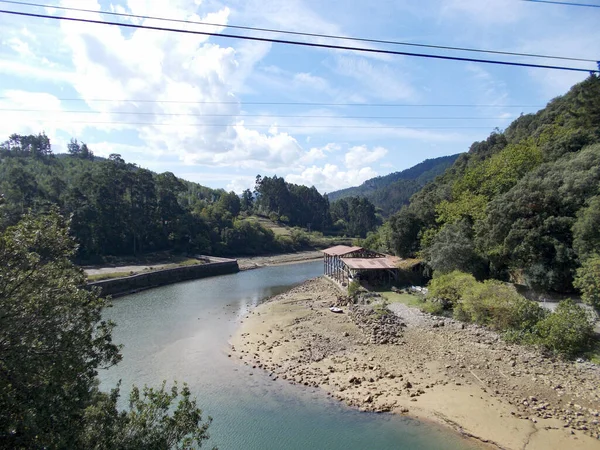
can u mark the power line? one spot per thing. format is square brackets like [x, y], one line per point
[226, 125]
[297, 33]
[144, 113]
[305, 44]
[210, 102]
[562, 3]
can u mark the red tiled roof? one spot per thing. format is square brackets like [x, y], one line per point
[340, 250]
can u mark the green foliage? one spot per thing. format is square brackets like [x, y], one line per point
[450, 287]
[151, 422]
[529, 228]
[527, 193]
[353, 289]
[52, 343]
[356, 215]
[588, 282]
[586, 230]
[499, 306]
[302, 206]
[568, 331]
[452, 249]
[433, 307]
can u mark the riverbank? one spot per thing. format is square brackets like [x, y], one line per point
[462, 376]
[255, 262]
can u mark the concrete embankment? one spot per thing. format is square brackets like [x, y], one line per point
[127, 285]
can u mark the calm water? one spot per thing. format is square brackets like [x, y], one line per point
[181, 332]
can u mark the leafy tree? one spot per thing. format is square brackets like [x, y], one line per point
[586, 230]
[588, 281]
[451, 287]
[453, 249]
[52, 343]
[247, 201]
[499, 306]
[568, 330]
[405, 227]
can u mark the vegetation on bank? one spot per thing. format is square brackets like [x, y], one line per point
[567, 331]
[120, 209]
[521, 206]
[53, 342]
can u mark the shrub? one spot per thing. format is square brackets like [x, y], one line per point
[354, 289]
[588, 282]
[499, 306]
[567, 331]
[451, 287]
[433, 307]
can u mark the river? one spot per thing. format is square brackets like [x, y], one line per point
[180, 332]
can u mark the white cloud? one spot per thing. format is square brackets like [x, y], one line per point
[361, 155]
[379, 79]
[331, 178]
[484, 12]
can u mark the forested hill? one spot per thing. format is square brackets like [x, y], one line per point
[120, 209]
[391, 192]
[524, 204]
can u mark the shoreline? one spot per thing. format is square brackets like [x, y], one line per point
[461, 376]
[256, 262]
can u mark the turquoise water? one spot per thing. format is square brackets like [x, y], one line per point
[181, 332]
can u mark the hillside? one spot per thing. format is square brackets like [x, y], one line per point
[391, 192]
[522, 205]
[118, 209]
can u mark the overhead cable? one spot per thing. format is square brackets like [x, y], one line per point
[305, 116]
[298, 33]
[211, 102]
[305, 44]
[587, 5]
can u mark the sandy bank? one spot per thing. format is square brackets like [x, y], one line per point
[466, 378]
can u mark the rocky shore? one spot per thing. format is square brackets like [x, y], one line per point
[408, 362]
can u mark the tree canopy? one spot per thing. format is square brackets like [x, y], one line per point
[53, 342]
[521, 205]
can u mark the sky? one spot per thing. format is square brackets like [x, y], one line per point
[219, 111]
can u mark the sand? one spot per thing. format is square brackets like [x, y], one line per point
[466, 379]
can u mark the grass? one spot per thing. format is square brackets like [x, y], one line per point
[594, 353]
[108, 276]
[407, 299]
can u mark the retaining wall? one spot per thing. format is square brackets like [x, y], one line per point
[127, 285]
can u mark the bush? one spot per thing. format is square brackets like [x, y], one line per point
[567, 331]
[433, 307]
[354, 289]
[451, 287]
[588, 282]
[500, 307]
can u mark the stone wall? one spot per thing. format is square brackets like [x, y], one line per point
[127, 285]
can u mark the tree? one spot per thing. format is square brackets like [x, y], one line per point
[567, 331]
[247, 201]
[453, 249]
[588, 281]
[52, 343]
[586, 231]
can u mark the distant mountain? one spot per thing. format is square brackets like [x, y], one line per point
[391, 192]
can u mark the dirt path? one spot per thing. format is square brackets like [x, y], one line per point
[462, 376]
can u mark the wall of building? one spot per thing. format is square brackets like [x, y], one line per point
[127, 285]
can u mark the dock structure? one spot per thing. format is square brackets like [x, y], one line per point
[345, 264]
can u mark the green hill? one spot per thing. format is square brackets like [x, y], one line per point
[519, 205]
[391, 192]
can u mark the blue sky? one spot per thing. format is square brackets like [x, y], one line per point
[171, 86]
